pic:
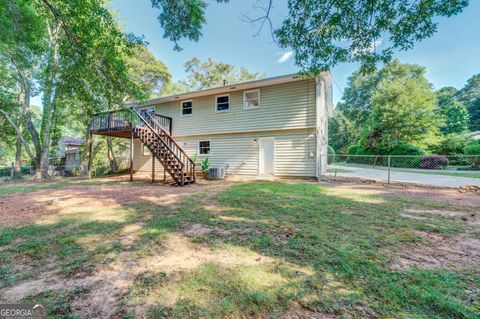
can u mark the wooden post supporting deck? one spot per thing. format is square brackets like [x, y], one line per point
[153, 168]
[90, 156]
[131, 156]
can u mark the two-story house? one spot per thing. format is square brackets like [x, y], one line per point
[275, 126]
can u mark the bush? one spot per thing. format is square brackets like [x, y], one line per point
[453, 144]
[433, 162]
[473, 149]
[405, 149]
[353, 150]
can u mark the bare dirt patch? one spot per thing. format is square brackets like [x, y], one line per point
[453, 196]
[472, 218]
[92, 201]
[437, 251]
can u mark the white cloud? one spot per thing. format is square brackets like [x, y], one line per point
[285, 57]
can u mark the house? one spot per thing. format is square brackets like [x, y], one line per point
[67, 155]
[275, 126]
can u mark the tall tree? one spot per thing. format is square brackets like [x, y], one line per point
[404, 111]
[357, 98]
[455, 113]
[325, 33]
[469, 95]
[201, 75]
[80, 50]
[150, 74]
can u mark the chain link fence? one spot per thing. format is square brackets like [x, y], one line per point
[437, 170]
[8, 174]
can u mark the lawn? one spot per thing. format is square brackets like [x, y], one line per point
[244, 249]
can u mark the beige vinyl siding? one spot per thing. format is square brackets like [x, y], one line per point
[143, 163]
[238, 153]
[282, 107]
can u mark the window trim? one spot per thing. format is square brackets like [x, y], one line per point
[209, 147]
[245, 99]
[216, 103]
[181, 108]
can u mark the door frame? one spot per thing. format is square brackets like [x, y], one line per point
[272, 138]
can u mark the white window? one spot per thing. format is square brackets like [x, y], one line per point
[251, 99]
[186, 107]
[204, 147]
[222, 103]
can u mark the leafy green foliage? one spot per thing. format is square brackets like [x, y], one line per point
[204, 166]
[202, 75]
[404, 112]
[182, 18]
[325, 33]
[150, 74]
[469, 95]
[451, 144]
[342, 132]
[455, 113]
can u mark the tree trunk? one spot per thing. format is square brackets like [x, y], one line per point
[111, 155]
[18, 156]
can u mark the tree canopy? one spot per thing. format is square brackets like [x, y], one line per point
[201, 75]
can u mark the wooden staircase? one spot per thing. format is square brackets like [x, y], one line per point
[145, 126]
[164, 148]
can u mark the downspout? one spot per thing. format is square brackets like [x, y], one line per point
[323, 111]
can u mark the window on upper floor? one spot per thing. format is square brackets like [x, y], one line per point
[251, 99]
[186, 107]
[222, 103]
[204, 147]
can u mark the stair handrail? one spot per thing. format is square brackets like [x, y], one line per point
[173, 141]
[158, 135]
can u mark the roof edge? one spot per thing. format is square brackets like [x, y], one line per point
[221, 89]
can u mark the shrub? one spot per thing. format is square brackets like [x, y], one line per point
[433, 162]
[473, 149]
[405, 149]
[352, 150]
[452, 144]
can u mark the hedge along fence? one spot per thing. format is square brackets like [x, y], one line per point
[461, 162]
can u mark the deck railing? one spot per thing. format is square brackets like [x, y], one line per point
[124, 120]
[111, 121]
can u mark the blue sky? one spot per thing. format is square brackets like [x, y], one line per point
[451, 56]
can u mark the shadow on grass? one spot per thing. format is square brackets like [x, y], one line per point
[342, 238]
[257, 250]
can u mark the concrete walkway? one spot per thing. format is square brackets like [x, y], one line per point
[403, 177]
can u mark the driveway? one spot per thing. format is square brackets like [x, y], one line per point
[423, 177]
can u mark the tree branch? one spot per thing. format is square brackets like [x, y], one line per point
[27, 147]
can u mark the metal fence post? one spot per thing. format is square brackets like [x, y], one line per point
[388, 160]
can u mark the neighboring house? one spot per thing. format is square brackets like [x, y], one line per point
[275, 126]
[68, 152]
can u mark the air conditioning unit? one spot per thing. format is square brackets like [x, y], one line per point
[216, 173]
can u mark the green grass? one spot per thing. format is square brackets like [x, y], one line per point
[271, 247]
[341, 239]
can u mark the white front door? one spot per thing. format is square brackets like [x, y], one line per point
[266, 156]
